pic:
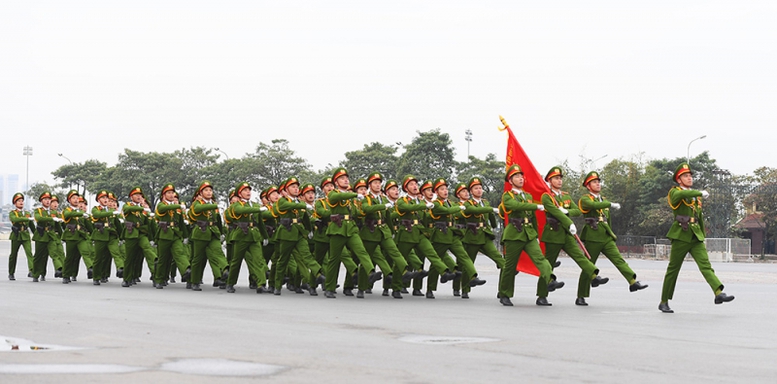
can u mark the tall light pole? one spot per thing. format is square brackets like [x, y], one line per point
[688, 154]
[593, 162]
[28, 153]
[468, 138]
[225, 154]
[71, 163]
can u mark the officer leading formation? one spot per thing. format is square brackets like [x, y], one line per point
[292, 238]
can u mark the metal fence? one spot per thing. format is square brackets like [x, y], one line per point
[728, 249]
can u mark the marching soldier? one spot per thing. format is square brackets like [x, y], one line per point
[21, 222]
[270, 251]
[520, 235]
[136, 237]
[171, 238]
[56, 250]
[343, 232]
[121, 250]
[687, 236]
[479, 219]
[447, 238]
[247, 238]
[598, 237]
[88, 257]
[292, 236]
[42, 236]
[559, 233]
[75, 235]
[105, 237]
[207, 235]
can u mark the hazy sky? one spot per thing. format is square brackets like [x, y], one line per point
[616, 78]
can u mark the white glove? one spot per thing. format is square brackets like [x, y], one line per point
[463, 208]
[116, 212]
[309, 207]
[265, 242]
[85, 216]
[359, 196]
[151, 214]
[434, 196]
[57, 219]
[121, 220]
[222, 238]
[540, 207]
[148, 210]
[310, 235]
[496, 211]
[121, 242]
[572, 229]
[185, 241]
[705, 194]
[563, 210]
[152, 243]
[186, 222]
[262, 208]
[615, 206]
[430, 205]
[183, 206]
[389, 205]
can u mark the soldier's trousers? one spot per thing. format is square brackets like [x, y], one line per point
[27, 246]
[103, 251]
[572, 248]
[136, 250]
[677, 255]
[513, 249]
[356, 247]
[488, 249]
[40, 258]
[75, 250]
[610, 251]
[210, 251]
[302, 256]
[57, 254]
[462, 259]
[388, 248]
[170, 251]
[252, 253]
[424, 250]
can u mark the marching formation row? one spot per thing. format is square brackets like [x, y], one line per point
[295, 238]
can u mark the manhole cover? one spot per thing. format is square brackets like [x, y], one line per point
[444, 340]
[220, 367]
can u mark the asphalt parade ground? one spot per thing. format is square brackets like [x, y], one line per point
[109, 334]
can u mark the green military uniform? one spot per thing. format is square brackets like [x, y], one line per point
[76, 237]
[598, 238]
[171, 233]
[559, 234]
[207, 234]
[687, 236]
[105, 237]
[247, 239]
[447, 238]
[137, 228]
[56, 249]
[343, 232]
[120, 252]
[20, 237]
[520, 235]
[377, 232]
[292, 238]
[270, 251]
[42, 236]
[478, 220]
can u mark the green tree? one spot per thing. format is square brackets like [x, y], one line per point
[374, 157]
[428, 156]
[621, 184]
[79, 176]
[272, 163]
[490, 170]
[36, 189]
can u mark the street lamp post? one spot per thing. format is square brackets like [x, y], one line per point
[71, 163]
[219, 150]
[28, 153]
[468, 138]
[593, 162]
[688, 154]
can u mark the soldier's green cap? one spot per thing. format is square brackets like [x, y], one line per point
[232, 193]
[135, 190]
[461, 187]
[167, 187]
[112, 196]
[339, 172]
[241, 186]
[555, 171]
[473, 182]
[362, 182]
[44, 195]
[512, 171]
[681, 170]
[407, 179]
[291, 181]
[439, 182]
[267, 191]
[325, 181]
[307, 188]
[374, 176]
[71, 193]
[100, 194]
[203, 185]
[389, 184]
[17, 196]
[589, 177]
[54, 198]
[426, 184]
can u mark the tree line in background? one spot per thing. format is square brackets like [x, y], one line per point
[639, 185]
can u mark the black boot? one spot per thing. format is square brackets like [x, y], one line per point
[465, 295]
[417, 292]
[580, 301]
[598, 280]
[637, 286]
[396, 295]
[664, 307]
[196, 287]
[476, 281]
[375, 276]
[186, 275]
[230, 289]
[385, 292]
[329, 295]
[125, 284]
[721, 298]
[456, 293]
[429, 295]
[347, 292]
[360, 294]
[554, 285]
[543, 301]
[505, 301]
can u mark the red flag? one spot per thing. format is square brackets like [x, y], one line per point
[534, 185]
